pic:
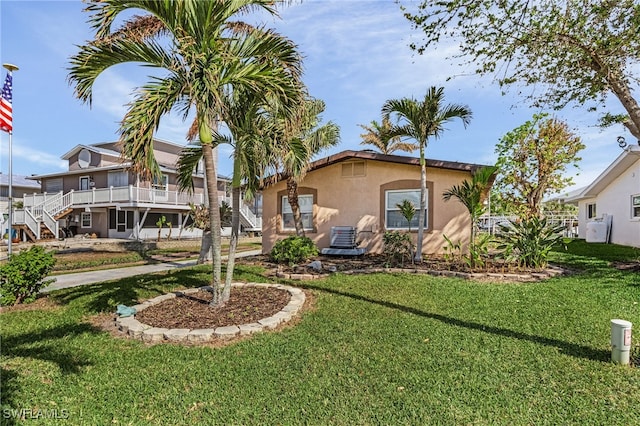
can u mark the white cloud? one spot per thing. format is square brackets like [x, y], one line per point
[25, 158]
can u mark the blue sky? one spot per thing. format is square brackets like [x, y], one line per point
[356, 57]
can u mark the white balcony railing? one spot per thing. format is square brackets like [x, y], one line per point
[53, 203]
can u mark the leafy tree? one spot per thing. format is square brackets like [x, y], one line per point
[379, 135]
[421, 120]
[568, 51]
[206, 55]
[471, 193]
[532, 160]
[295, 140]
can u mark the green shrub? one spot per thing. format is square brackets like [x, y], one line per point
[293, 249]
[397, 248]
[22, 277]
[528, 242]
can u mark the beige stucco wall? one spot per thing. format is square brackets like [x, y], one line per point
[359, 202]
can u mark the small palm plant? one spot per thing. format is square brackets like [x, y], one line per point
[471, 194]
[408, 211]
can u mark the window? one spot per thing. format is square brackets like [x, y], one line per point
[153, 218]
[591, 210]
[162, 183]
[635, 206]
[117, 179]
[85, 220]
[84, 183]
[306, 212]
[393, 215]
[53, 185]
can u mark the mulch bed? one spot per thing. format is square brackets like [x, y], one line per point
[375, 261]
[246, 305]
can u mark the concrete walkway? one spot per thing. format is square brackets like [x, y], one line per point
[92, 277]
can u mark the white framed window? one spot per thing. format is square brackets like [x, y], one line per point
[85, 220]
[306, 212]
[591, 210]
[161, 183]
[84, 183]
[635, 206]
[393, 215]
[117, 179]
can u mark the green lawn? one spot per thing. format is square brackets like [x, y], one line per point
[375, 349]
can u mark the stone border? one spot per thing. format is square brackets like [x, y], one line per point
[533, 276]
[134, 328]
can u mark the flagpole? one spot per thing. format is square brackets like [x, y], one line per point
[10, 197]
[10, 68]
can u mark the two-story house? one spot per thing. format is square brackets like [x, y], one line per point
[100, 195]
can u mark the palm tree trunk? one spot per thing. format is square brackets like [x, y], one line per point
[205, 247]
[206, 140]
[423, 204]
[292, 194]
[235, 227]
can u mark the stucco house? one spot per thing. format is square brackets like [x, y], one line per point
[99, 194]
[361, 189]
[616, 194]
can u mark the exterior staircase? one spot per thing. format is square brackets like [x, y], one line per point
[40, 220]
[249, 221]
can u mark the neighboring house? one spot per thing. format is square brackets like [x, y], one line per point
[20, 185]
[615, 193]
[100, 195]
[361, 189]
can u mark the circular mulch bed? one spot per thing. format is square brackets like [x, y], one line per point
[245, 305]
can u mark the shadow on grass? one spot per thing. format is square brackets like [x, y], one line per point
[572, 349]
[45, 345]
[8, 389]
[104, 297]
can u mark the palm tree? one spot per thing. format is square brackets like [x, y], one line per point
[471, 194]
[421, 120]
[297, 140]
[249, 123]
[206, 55]
[379, 135]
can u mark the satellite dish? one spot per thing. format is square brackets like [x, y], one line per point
[84, 158]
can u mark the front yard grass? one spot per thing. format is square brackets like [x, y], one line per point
[375, 349]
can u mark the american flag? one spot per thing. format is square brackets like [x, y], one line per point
[6, 120]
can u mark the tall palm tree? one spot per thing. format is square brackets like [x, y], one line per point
[471, 194]
[206, 55]
[297, 140]
[379, 135]
[421, 120]
[249, 123]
